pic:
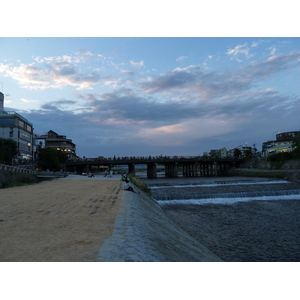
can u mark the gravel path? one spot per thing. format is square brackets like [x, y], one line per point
[64, 220]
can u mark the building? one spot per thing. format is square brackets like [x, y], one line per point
[283, 143]
[58, 142]
[244, 150]
[215, 153]
[224, 152]
[14, 126]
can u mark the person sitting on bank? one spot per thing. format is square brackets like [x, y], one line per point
[128, 187]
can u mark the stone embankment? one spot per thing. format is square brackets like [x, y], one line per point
[144, 233]
[290, 170]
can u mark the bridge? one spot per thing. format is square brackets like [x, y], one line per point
[191, 166]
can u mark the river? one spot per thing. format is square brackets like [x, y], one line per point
[239, 219]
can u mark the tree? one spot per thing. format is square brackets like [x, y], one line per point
[296, 142]
[8, 150]
[48, 159]
[62, 156]
[296, 147]
[248, 154]
[237, 153]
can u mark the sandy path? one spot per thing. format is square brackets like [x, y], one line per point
[60, 220]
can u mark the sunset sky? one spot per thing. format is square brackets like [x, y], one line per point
[140, 96]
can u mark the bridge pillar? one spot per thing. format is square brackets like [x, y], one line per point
[188, 173]
[151, 171]
[210, 170]
[171, 170]
[131, 168]
[190, 169]
[206, 170]
[196, 167]
[215, 169]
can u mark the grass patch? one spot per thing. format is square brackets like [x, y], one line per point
[141, 185]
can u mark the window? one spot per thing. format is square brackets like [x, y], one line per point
[21, 123]
[7, 121]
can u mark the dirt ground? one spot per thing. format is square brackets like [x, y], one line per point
[58, 221]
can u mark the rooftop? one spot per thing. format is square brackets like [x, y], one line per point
[5, 113]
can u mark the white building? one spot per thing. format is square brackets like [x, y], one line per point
[14, 126]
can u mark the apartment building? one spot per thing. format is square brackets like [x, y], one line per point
[58, 142]
[16, 127]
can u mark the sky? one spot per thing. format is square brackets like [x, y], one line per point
[154, 92]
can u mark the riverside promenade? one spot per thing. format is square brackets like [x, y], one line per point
[90, 219]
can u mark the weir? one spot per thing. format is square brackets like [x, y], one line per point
[226, 195]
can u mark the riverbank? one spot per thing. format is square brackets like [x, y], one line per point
[63, 220]
[264, 230]
[90, 219]
[144, 233]
[287, 174]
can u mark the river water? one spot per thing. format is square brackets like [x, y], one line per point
[239, 219]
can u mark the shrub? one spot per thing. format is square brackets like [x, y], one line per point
[282, 156]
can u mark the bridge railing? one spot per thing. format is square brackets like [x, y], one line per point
[145, 159]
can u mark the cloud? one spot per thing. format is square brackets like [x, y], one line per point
[3, 67]
[272, 65]
[181, 58]
[176, 79]
[124, 119]
[179, 111]
[51, 72]
[137, 64]
[273, 50]
[240, 49]
[199, 84]
[29, 101]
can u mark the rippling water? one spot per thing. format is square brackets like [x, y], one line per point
[242, 227]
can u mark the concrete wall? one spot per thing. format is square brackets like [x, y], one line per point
[10, 178]
[144, 233]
